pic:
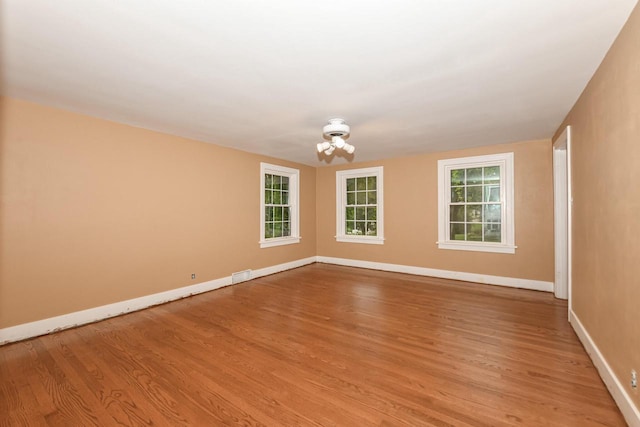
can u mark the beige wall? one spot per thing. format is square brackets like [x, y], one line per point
[605, 124]
[411, 215]
[95, 212]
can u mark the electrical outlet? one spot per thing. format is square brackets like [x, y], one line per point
[193, 275]
[634, 379]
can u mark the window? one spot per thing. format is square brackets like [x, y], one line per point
[475, 203]
[279, 213]
[359, 206]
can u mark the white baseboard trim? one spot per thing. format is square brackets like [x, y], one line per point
[70, 320]
[536, 285]
[629, 410]
[282, 267]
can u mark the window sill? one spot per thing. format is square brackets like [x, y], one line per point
[370, 240]
[478, 247]
[279, 241]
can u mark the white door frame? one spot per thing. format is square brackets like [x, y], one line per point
[562, 214]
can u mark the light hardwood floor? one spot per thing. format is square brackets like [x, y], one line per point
[318, 345]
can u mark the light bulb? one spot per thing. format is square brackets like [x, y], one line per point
[323, 146]
[338, 141]
[349, 148]
[329, 150]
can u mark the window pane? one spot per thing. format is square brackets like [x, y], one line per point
[372, 212]
[492, 233]
[267, 180]
[474, 194]
[371, 182]
[286, 229]
[268, 230]
[350, 225]
[276, 182]
[277, 229]
[285, 183]
[361, 198]
[285, 213]
[456, 213]
[474, 232]
[361, 184]
[492, 193]
[457, 177]
[360, 227]
[268, 213]
[457, 194]
[360, 213]
[371, 228]
[457, 232]
[277, 213]
[474, 176]
[267, 197]
[351, 198]
[372, 197]
[285, 198]
[351, 184]
[492, 213]
[492, 174]
[276, 197]
[474, 213]
[350, 214]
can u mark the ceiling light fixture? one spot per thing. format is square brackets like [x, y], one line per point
[336, 132]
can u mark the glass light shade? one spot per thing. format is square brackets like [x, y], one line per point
[338, 141]
[322, 146]
[349, 148]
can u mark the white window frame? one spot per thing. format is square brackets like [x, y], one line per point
[341, 202]
[294, 197]
[505, 161]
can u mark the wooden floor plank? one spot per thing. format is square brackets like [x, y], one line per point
[319, 345]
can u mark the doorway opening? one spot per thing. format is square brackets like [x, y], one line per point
[562, 214]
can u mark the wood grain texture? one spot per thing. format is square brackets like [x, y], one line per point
[316, 346]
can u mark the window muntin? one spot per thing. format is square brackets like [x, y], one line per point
[359, 205]
[475, 201]
[278, 205]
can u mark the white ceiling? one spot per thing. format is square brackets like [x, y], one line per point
[409, 76]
